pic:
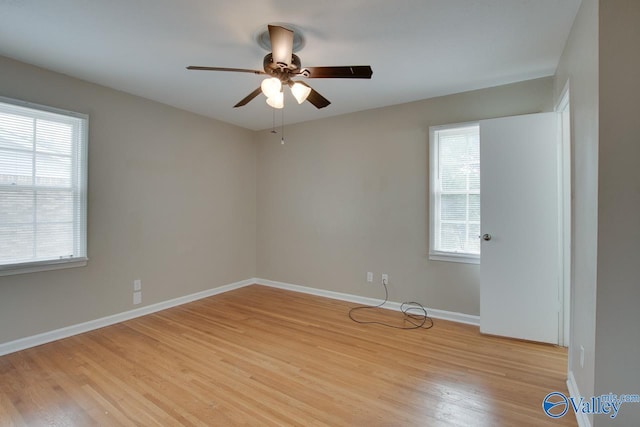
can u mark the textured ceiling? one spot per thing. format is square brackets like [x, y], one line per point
[417, 48]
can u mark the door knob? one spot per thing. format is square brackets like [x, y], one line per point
[486, 237]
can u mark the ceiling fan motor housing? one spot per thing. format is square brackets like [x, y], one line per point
[280, 70]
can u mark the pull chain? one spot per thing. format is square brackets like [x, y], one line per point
[282, 139]
[273, 125]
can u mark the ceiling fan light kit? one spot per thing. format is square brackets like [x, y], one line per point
[271, 86]
[276, 100]
[300, 91]
[282, 65]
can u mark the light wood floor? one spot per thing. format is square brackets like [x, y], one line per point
[261, 356]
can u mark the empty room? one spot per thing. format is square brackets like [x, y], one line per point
[281, 213]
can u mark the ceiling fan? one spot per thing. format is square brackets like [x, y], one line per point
[282, 65]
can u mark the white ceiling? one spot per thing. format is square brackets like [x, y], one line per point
[417, 48]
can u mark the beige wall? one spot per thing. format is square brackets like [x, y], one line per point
[172, 200]
[579, 66]
[617, 363]
[348, 194]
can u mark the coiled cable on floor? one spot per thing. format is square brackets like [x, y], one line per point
[413, 312]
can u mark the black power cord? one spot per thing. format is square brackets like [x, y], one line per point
[414, 313]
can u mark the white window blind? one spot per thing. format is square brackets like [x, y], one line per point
[43, 187]
[455, 193]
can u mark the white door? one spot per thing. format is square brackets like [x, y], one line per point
[519, 266]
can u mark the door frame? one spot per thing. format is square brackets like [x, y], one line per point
[563, 108]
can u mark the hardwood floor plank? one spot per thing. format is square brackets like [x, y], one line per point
[259, 356]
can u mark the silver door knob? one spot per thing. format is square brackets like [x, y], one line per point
[486, 237]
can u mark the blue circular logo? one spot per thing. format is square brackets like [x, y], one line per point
[555, 404]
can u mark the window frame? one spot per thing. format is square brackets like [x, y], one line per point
[434, 201]
[80, 174]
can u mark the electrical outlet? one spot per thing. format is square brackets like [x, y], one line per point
[137, 298]
[369, 277]
[385, 278]
[137, 285]
[582, 356]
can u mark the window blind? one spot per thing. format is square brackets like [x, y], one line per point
[456, 189]
[43, 185]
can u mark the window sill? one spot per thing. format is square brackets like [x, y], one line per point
[33, 267]
[452, 257]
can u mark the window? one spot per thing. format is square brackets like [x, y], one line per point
[455, 193]
[43, 188]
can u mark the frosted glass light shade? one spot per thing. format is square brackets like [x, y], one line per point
[271, 86]
[300, 92]
[277, 100]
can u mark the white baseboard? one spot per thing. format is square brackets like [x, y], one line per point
[454, 316]
[43, 338]
[435, 313]
[582, 418]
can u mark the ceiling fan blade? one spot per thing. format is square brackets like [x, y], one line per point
[248, 98]
[237, 70]
[344, 72]
[315, 98]
[281, 45]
